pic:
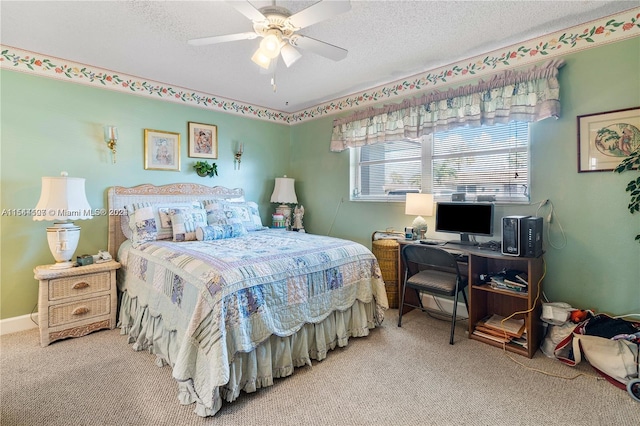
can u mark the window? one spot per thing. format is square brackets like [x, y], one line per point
[488, 162]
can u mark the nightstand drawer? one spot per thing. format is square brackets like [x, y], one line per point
[61, 288]
[80, 310]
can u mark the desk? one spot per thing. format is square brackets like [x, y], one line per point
[485, 300]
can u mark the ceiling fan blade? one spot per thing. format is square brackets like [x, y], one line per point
[320, 47]
[318, 12]
[222, 39]
[248, 10]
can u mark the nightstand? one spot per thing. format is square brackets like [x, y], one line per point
[76, 301]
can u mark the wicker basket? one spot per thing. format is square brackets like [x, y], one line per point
[386, 251]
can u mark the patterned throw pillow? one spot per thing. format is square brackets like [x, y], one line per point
[215, 213]
[223, 212]
[248, 214]
[149, 222]
[143, 226]
[185, 222]
[218, 232]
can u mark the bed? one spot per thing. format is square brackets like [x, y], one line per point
[240, 304]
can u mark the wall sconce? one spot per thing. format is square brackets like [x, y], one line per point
[111, 138]
[238, 156]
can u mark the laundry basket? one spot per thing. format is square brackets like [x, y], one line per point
[384, 246]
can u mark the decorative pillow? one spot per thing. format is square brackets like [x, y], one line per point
[218, 232]
[185, 222]
[143, 226]
[248, 213]
[223, 212]
[159, 214]
[216, 214]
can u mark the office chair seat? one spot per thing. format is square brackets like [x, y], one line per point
[436, 282]
[432, 270]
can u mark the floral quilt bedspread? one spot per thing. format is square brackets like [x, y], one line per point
[227, 296]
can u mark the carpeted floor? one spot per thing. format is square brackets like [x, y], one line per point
[408, 375]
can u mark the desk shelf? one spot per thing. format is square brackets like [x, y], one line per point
[485, 300]
[487, 287]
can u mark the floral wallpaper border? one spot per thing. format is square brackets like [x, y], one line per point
[592, 34]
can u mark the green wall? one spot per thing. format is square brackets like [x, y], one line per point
[48, 126]
[599, 267]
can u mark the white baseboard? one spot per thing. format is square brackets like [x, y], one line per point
[15, 324]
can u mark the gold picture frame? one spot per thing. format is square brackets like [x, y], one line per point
[607, 138]
[203, 140]
[161, 150]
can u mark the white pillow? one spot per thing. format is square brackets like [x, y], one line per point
[124, 225]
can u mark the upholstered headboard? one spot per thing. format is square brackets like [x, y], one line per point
[119, 196]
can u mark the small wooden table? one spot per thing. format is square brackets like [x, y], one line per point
[76, 301]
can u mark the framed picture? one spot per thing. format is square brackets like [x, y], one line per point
[161, 150]
[606, 138]
[203, 140]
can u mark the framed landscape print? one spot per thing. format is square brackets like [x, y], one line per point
[161, 150]
[606, 138]
[203, 140]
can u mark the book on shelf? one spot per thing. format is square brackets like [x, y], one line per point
[511, 327]
[515, 283]
[513, 276]
[502, 284]
[521, 341]
[492, 337]
[523, 278]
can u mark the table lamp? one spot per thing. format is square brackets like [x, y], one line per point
[63, 200]
[284, 193]
[419, 205]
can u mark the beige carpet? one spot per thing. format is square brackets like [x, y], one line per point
[408, 375]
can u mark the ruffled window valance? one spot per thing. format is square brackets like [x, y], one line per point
[530, 95]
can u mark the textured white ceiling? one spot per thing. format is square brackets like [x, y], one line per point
[386, 40]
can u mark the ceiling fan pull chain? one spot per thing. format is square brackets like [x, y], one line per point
[273, 82]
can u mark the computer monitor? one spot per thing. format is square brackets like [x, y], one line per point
[465, 219]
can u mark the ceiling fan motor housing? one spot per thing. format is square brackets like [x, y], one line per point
[276, 20]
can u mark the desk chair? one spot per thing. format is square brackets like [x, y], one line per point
[432, 270]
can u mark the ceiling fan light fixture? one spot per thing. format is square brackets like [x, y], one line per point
[290, 55]
[271, 44]
[261, 59]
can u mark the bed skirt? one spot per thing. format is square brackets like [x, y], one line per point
[273, 358]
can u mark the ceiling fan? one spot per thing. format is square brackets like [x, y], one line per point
[278, 29]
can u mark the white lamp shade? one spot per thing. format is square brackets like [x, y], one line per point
[261, 59]
[270, 45]
[290, 55]
[63, 198]
[110, 133]
[284, 191]
[419, 204]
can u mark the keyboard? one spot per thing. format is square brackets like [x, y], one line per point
[431, 242]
